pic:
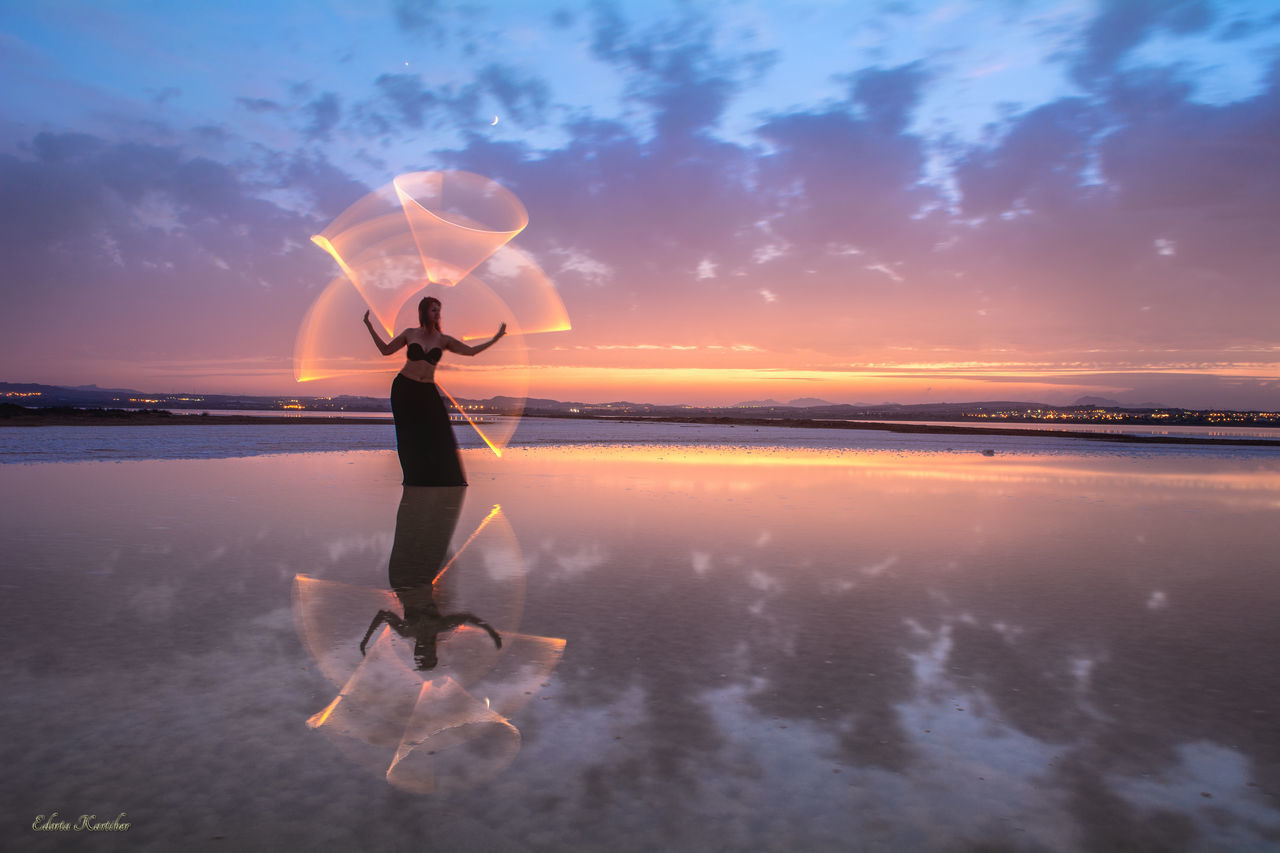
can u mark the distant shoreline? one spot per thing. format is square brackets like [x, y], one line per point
[124, 417]
[120, 417]
[951, 429]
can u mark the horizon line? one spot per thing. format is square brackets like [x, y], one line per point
[1093, 401]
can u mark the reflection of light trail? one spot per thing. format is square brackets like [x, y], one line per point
[493, 513]
[318, 720]
[427, 733]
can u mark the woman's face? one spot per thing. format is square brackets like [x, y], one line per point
[433, 313]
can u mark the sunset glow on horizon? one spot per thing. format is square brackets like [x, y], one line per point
[852, 203]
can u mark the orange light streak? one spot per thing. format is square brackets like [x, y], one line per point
[318, 719]
[422, 231]
[493, 513]
[457, 219]
[496, 450]
[323, 243]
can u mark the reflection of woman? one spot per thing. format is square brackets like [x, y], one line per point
[424, 525]
[424, 439]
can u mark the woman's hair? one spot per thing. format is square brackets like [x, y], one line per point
[422, 312]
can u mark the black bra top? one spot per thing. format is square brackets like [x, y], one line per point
[416, 354]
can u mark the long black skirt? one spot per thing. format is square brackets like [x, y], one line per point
[424, 438]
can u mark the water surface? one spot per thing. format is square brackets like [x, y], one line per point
[806, 649]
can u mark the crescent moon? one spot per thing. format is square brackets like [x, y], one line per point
[495, 121]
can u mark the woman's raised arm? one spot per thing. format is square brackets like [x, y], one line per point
[455, 345]
[384, 348]
[394, 622]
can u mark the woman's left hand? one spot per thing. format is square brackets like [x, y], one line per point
[502, 330]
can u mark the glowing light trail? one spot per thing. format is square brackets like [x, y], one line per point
[432, 229]
[317, 720]
[493, 513]
[497, 451]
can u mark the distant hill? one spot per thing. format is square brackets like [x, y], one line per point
[1108, 403]
[32, 395]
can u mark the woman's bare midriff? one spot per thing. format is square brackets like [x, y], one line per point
[419, 371]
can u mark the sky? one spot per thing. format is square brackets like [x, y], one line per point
[735, 200]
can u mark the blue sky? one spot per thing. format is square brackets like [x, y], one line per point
[852, 201]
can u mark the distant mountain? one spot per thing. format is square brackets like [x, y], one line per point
[33, 395]
[1108, 403]
[96, 389]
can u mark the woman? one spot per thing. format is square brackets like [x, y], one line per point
[424, 439]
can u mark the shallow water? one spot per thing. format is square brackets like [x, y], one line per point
[30, 445]
[740, 648]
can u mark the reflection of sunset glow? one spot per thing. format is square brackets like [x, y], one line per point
[424, 233]
[972, 467]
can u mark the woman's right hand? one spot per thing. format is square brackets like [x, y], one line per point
[366, 318]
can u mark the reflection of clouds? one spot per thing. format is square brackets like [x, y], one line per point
[877, 569]
[763, 582]
[1004, 684]
[341, 548]
[155, 602]
[585, 559]
[803, 780]
[678, 718]
[1081, 669]
[1204, 768]
[502, 563]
